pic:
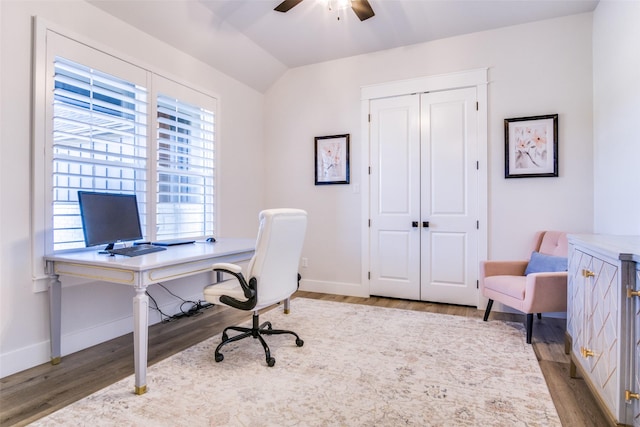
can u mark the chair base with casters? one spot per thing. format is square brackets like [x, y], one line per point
[256, 332]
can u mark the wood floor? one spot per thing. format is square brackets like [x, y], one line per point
[32, 394]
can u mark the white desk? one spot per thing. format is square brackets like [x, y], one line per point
[139, 272]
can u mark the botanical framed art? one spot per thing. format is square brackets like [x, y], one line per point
[531, 146]
[332, 159]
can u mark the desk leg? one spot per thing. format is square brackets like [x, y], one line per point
[140, 338]
[287, 306]
[55, 317]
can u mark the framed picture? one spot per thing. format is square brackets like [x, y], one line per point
[332, 159]
[531, 146]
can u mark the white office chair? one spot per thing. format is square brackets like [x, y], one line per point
[272, 272]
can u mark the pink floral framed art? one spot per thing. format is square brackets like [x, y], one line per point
[531, 146]
[332, 159]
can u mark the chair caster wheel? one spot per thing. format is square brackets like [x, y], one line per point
[271, 361]
[299, 342]
[219, 357]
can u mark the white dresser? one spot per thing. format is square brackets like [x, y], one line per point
[603, 321]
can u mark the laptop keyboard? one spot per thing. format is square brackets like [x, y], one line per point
[137, 250]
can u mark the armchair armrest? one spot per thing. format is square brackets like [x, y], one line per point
[546, 292]
[502, 268]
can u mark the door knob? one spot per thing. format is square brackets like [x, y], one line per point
[587, 273]
[628, 395]
[586, 352]
[425, 224]
[414, 224]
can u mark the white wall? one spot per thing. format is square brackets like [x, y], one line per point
[616, 99]
[95, 312]
[534, 69]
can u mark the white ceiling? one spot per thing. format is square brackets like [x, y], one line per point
[254, 44]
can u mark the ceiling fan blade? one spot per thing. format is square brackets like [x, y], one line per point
[286, 5]
[362, 8]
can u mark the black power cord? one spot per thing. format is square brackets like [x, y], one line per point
[194, 309]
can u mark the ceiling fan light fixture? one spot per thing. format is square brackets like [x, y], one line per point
[361, 8]
[339, 4]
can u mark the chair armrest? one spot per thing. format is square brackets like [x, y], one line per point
[502, 268]
[225, 266]
[546, 292]
[249, 289]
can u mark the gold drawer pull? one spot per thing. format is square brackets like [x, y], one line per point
[631, 293]
[586, 352]
[628, 395]
[587, 273]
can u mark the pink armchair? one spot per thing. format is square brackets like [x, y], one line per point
[538, 292]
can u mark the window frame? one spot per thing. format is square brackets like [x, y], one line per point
[46, 35]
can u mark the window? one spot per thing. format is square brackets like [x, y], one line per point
[99, 143]
[97, 132]
[185, 204]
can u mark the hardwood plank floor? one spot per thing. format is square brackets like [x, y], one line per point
[34, 393]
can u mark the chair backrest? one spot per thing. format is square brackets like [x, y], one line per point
[551, 243]
[278, 251]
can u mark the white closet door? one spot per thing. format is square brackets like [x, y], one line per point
[395, 197]
[424, 197]
[449, 197]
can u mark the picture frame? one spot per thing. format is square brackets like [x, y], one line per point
[332, 159]
[531, 146]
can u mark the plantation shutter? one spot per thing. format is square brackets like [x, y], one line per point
[185, 205]
[99, 143]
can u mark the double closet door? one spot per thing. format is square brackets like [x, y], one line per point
[424, 197]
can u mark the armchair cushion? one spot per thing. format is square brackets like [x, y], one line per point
[540, 263]
[510, 286]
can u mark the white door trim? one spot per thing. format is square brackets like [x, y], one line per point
[477, 78]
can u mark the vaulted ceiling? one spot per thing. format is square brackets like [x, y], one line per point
[254, 44]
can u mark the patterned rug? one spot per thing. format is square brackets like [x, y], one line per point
[359, 366]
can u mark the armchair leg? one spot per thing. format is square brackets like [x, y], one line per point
[488, 310]
[529, 327]
[539, 316]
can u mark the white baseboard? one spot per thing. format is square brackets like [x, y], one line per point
[501, 308]
[335, 288]
[37, 354]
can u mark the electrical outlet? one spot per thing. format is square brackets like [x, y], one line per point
[305, 262]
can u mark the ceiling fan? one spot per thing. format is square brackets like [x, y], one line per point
[362, 8]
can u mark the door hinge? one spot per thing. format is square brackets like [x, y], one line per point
[477, 284]
[369, 222]
[369, 275]
[477, 225]
[477, 165]
[369, 170]
[477, 106]
[369, 118]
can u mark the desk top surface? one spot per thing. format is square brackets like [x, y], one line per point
[174, 254]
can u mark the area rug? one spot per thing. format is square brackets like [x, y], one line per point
[359, 366]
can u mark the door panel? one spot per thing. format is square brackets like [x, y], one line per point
[395, 197]
[449, 197]
[445, 264]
